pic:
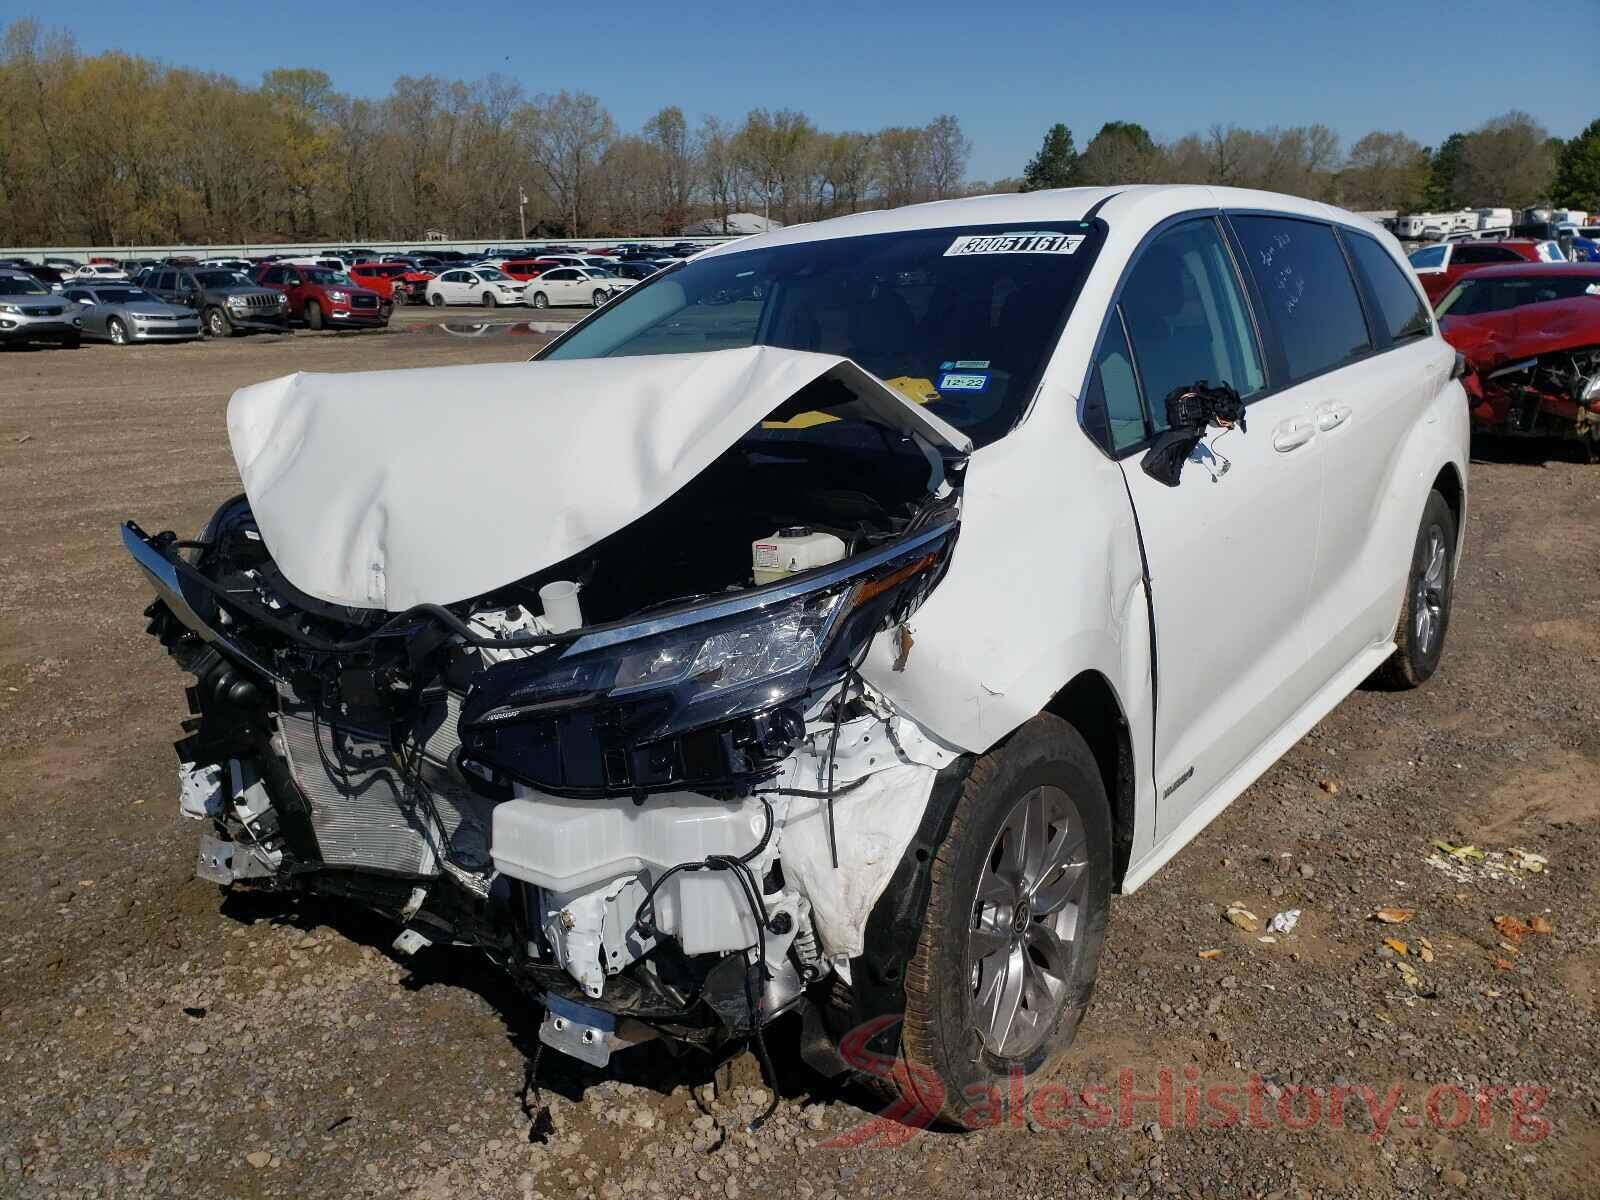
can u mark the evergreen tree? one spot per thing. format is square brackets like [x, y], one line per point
[1056, 164]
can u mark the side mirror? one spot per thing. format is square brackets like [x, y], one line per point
[1191, 409]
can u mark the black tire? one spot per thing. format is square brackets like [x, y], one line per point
[540, 300]
[398, 297]
[1425, 610]
[217, 323]
[946, 1066]
[72, 341]
[489, 300]
[116, 331]
[313, 315]
[436, 299]
[598, 298]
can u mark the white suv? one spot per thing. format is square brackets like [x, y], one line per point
[833, 622]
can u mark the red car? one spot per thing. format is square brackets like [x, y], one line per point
[1531, 337]
[523, 268]
[395, 282]
[1438, 267]
[325, 299]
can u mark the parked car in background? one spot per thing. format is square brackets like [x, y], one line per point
[227, 301]
[634, 269]
[100, 271]
[52, 277]
[242, 265]
[487, 286]
[1531, 335]
[575, 285]
[522, 269]
[561, 260]
[124, 313]
[31, 312]
[395, 282]
[325, 299]
[1438, 267]
[900, 644]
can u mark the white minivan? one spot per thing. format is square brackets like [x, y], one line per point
[832, 623]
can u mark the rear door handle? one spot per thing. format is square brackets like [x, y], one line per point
[1332, 415]
[1292, 433]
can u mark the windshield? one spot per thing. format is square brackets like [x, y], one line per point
[221, 279]
[597, 273]
[961, 318]
[325, 277]
[16, 285]
[492, 274]
[107, 295]
[1474, 297]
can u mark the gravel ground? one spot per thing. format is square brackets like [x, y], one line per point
[159, 1039]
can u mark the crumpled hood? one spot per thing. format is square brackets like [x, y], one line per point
[386, 489]
[1491, 340]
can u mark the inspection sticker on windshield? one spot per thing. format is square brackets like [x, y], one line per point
[964, 381]
[1020, 242]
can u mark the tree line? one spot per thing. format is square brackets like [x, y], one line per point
[115, 149]
[1510, 161]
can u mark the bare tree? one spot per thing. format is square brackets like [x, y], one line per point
[947, 150]
[569, 134]
[722, 173]
[902, 165]
[672, 167]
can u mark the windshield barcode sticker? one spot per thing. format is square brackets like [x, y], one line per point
[1023, 242]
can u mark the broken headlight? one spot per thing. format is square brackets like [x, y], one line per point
[710, 699]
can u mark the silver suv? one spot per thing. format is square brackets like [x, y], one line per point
[31, 312]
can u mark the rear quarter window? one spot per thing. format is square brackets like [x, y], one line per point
[1313, 311]
[1402, 314]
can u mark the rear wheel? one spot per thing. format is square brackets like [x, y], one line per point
[313, 315]
[1021, 891]
[436, 299]
[1430, 589]
[117, 331]
[540, 300]
[217, 323]
[489, 300]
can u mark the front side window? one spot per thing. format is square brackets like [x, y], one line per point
[167, 281]
[1312, 308]
[1187, 318]
[963, 319]
[1402, 311]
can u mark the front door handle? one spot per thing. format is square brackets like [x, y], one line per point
[1332, 415]
[1292, 433]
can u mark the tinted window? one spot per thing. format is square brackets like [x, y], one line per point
[78, 295]
[1312, 309]
[167, 281]
[1403, 313]
[1473, 297]
[1187, 318]
[1478, 255]
[1431, 256]
[1111, 408]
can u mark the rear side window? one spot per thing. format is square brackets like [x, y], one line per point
[1187, 319]
[1479, 255]
[1312, 308]
[1401, 311]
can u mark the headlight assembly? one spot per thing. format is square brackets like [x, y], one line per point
[711, 698]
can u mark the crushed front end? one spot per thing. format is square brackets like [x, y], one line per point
[674, 814]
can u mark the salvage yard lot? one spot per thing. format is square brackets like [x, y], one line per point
[159, 1041]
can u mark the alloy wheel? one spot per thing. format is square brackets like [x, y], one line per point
[1025, 920]
[1428, 602]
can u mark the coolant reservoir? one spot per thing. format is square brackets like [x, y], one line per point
[792, 550]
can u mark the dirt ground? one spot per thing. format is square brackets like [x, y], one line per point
[159, 1040]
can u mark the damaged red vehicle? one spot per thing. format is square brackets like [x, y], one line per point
[1531, 338]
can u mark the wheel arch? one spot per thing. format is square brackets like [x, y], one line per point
[1090, 705]
[1449, 484]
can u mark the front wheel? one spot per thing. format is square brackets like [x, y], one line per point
[117, 331]
[217, 323]
[598, 298]
[1017, 910]
[398, 297]
[1430, 589]
[313, 315]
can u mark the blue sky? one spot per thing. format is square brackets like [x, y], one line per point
[1008, 71]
